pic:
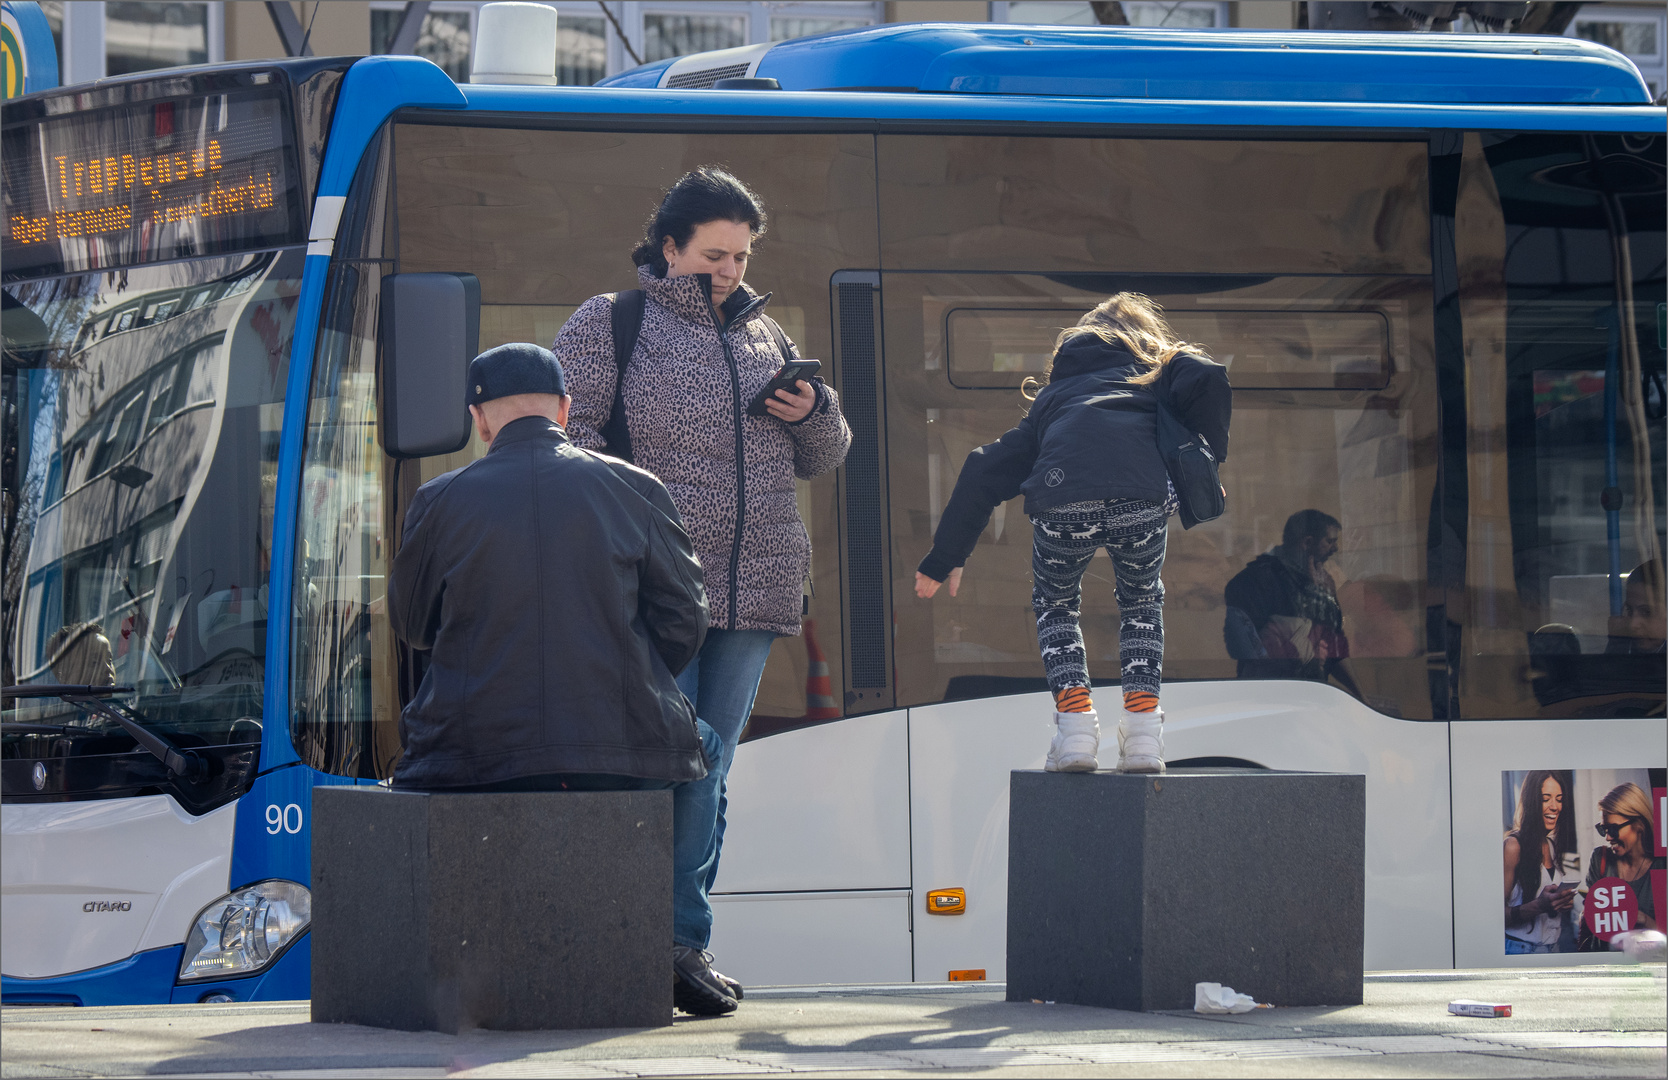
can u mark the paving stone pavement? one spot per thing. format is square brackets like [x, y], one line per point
[1587, 1022]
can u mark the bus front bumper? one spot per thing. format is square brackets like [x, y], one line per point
[149, 978]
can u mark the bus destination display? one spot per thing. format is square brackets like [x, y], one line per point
[148, 183]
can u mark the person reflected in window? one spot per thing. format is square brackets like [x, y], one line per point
[80, 655]
[1283, 618]
[1627, 827]
[1642, 627]
[1538, 901]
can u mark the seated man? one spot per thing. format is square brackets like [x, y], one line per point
[559, 597]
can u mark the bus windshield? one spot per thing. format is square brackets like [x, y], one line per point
[140, 462]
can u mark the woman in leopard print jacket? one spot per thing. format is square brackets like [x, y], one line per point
[704, 350]
[695, 368]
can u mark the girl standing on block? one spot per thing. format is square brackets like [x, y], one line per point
[1086, 458]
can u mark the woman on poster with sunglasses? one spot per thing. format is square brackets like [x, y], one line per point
[1626, 826]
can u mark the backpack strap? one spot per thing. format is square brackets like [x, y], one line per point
[626, 315]
[783, 345]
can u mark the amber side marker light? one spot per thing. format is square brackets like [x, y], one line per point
[946, 901]
[968, 975]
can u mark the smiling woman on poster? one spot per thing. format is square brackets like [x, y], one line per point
[1538, 902]
[1626, 825]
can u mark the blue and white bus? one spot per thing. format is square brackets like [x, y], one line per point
[1434, 265]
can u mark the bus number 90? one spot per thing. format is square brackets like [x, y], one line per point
[283, 818]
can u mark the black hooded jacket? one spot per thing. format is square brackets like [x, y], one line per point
[1091, 434]
[560, 597]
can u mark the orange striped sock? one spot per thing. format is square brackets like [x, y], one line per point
[1073, 699]
[1140, 701]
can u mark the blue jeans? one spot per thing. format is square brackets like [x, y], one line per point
[722, 681]
[695, 811]
[1519, 947]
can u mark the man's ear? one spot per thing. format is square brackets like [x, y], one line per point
[478, 414]
[562, 410]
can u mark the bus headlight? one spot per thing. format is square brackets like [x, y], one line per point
[244, 931]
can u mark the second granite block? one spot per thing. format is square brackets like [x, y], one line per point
[1125, 890]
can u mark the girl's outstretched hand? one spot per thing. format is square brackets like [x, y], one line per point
[925, 586]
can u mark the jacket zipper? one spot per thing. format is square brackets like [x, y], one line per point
[741, 461]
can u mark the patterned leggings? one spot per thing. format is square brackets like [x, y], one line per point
[1064, 540]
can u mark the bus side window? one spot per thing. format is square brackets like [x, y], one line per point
[1321, 312]
[1566, 431]
[545, 240]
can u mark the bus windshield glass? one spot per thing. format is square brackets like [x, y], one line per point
[140, 460]
[149, 182]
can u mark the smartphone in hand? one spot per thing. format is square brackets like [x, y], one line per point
[786, 379]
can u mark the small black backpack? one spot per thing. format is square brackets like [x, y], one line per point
[627, 317]
[1190, 463]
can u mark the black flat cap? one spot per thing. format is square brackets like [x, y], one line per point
[517, 368]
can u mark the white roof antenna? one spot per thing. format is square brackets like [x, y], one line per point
[515, 43]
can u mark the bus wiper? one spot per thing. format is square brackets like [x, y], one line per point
[179, 762]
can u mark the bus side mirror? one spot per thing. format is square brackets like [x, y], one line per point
[431, 329]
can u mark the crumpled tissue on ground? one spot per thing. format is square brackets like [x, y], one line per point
[1209, 997]
[1642, 946]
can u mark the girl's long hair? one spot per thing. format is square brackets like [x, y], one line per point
[1531, 832]
[1131, 321]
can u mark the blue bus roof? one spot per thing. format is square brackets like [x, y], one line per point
[1191, 65]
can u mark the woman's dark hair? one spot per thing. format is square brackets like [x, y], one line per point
[702, 195]
[1530, 830]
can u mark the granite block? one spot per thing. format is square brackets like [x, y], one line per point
[1125, 890]
[510, 911]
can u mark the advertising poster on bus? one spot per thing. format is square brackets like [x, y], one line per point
[1583, 857]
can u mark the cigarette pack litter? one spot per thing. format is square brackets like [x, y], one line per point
[1478, 1008]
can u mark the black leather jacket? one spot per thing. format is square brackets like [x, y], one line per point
[560, 596]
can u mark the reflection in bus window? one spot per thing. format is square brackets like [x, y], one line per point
[1365, 456]
[1152, 206]
[345, 708]
[1301, 350]
[1562, 285]
[79, 655]
[139, 501]
[1283, 618]
[546, 238]
[1319, 306]
[134, 412]
[344, 713]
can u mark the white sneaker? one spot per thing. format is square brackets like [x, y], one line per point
[1076, 742]
[1141, 742]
